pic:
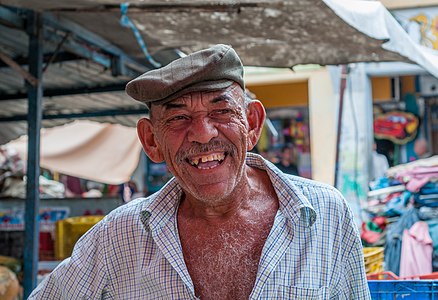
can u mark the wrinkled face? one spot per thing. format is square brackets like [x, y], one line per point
[203, 137]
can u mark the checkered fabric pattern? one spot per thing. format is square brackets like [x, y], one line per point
[312, 252]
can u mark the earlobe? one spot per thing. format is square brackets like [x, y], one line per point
[147, 137]
[256, 115]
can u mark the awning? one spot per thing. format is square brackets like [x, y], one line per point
[102, 152]
[374, 20]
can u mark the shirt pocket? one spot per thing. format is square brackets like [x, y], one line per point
[296, 292]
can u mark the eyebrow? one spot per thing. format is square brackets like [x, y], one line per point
[220, 98]
[173, 105]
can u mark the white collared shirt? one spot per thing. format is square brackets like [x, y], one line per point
[313, 250]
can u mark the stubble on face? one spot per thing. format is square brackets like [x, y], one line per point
[231, 142]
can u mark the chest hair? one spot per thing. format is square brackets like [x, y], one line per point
[223, 260]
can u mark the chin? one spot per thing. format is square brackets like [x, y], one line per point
[211, 196]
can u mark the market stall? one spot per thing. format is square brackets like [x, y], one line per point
[359, 31]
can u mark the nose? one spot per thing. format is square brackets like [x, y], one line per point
[202, 130]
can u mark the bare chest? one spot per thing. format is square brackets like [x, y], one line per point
[223, 262]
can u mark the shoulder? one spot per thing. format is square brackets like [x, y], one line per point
[131, 208]
[324, 198]
[128, 213]
[315, 190]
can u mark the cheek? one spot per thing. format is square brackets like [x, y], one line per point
[170, 143]
[236, 133]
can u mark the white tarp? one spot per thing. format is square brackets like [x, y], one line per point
[374, 20]
[107, 153]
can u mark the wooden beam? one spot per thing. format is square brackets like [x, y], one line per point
[15, 66]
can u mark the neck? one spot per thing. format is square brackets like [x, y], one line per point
[222, 211]
[239, 200]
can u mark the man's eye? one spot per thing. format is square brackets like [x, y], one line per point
[224, 111]
[178, 118]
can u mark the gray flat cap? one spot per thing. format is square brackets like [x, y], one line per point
[210, 69]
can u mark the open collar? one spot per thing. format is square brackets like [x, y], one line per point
[163, 205]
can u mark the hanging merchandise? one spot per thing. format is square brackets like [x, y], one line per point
[397, 126]
[416, 250]
[393, 246]
[406, 195]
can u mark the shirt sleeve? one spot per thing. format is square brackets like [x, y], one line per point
[354, 268]
[83, 275]
[355, 273]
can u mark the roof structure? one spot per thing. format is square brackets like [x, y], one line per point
[89, 55]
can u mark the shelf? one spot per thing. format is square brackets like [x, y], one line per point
[77, 206]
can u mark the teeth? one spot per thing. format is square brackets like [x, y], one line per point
[211, 157]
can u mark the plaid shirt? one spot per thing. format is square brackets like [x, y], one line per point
[312, 252]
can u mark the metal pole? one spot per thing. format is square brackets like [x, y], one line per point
[344, 73]
[35, 94]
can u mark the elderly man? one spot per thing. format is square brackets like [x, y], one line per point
[230, 225]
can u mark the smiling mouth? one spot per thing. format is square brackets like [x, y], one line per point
[205, 162]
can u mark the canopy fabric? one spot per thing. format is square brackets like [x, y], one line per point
[107, 153]
[372, 19]
[274, 33]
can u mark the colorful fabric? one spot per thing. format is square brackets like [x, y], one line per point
[398, 205]
[312, 252]
[393, 244]
[418, 177]
[424, 162]
[433, 231]
[416, 253]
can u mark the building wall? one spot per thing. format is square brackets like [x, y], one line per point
[323, 109]
[315, 89]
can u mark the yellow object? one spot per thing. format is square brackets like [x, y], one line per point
[9, 286]
[282, 94]
[381, 89]
[68, 232]
[373, 259]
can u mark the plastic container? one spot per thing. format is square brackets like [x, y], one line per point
[384, 275]
[68, 232]
[403, 289]
[373, 259]
[388, 275]
[433, 275]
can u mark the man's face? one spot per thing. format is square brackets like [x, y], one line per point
[203, 137]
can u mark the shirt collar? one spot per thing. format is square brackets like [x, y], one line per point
[161, 207]
[293, 203]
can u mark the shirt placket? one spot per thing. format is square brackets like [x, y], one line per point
[277, 243]
[167, 241]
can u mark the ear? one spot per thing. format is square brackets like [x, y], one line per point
[147, 137]
[256, 115]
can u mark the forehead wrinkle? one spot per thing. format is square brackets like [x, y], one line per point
[227, 95]
[177, 103]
